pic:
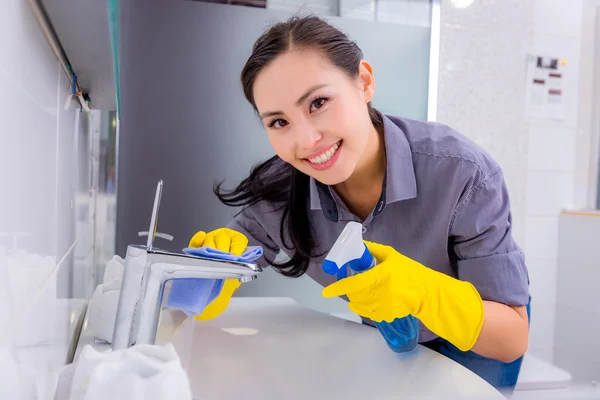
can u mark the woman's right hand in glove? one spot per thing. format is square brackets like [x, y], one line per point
[227, 240]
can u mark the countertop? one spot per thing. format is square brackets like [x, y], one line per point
[275, 348]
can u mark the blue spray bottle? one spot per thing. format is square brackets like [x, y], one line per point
[349, 256]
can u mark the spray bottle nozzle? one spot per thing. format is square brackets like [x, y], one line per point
[348, 251]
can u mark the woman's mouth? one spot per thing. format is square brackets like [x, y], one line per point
[326, 159]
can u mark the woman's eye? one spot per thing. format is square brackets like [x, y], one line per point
[318, 103]
[278, 123]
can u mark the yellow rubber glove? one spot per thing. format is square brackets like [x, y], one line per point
[399, 286]
[223, 239]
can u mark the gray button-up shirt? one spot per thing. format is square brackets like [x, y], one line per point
[444, 204]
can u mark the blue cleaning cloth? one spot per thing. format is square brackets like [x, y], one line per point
[193, 295]
[249, 255]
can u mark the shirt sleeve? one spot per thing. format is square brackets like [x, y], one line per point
[486, 253]
[247, 222]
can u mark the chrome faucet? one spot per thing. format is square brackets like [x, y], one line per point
[147, 270]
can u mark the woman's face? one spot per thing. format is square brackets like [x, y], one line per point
[315, 115]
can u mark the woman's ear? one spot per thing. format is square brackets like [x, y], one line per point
[366, 80]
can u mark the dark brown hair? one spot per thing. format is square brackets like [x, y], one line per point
[274, 180]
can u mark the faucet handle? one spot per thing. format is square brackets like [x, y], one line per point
[157, 234]
[154, 217]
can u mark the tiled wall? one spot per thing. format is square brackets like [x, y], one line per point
[481, 85]
[551, 167]
[43, 234]
[483, 67]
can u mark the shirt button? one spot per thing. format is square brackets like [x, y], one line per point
[364, 229]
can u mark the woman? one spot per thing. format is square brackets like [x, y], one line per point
[434, 207]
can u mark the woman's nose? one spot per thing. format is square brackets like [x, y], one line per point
[308, 137]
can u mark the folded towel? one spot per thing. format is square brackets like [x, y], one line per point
[102, 309]
[193, 295]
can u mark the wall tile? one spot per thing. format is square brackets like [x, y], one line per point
[541, 332]
[542, 276]
[557, 17]
[548, 193]
[500, 15]
[541, 242]
[481, 80]
[552, 148]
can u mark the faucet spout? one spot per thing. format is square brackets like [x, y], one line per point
[247, 278]
[146, 271]
[145, 275]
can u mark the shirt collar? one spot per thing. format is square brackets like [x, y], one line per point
[400, 182]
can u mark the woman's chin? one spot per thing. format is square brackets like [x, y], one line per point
[331, 177]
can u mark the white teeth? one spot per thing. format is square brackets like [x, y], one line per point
[326, 156]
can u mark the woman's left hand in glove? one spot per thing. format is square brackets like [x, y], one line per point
[399, 286]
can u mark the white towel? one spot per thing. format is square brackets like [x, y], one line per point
[102, 309]
[141, 372]
[114, 269]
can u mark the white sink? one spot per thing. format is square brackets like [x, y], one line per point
[274, 348]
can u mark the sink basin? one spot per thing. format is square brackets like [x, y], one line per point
[275, 348]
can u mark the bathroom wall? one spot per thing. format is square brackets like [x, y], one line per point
[552, 155]
[45, 211]
[483, 69]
